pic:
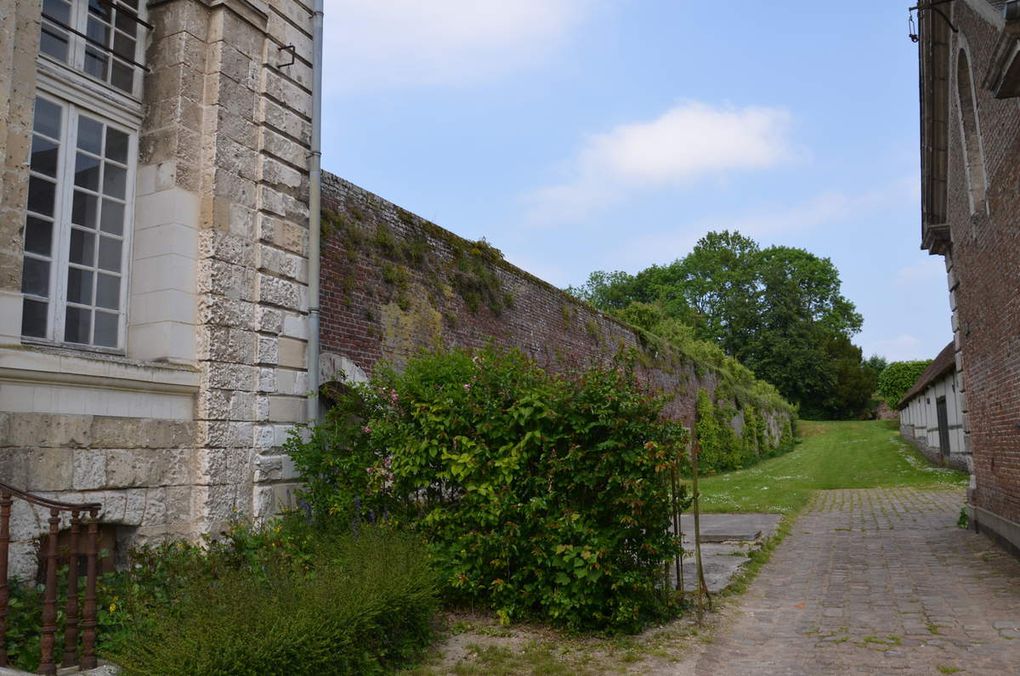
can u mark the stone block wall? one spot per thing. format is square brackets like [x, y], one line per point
[19, 43]
[394, 284]
[229, 129]
[180, 432]
[983, 269]
[142, 471]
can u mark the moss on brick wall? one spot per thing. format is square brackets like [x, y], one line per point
[394, 283]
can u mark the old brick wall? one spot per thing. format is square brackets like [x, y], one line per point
[984, 268]
[394, 283]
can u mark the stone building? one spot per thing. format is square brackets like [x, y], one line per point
[970, 172]
[930, 414]
[154, 243]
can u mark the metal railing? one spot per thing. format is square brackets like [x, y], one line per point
[76, 619]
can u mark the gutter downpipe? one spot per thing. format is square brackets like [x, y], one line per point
[315, 215]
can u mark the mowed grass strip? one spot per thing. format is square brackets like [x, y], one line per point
[851, 454]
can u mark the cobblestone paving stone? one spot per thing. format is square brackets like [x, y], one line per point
[876, 581]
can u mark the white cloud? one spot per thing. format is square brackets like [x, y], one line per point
[381, 43]
[690, 141]
[760, 222]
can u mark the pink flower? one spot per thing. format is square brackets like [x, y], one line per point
[366, 429]
[467, 387]
[393, 397]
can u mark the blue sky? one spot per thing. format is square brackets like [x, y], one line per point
[578, 135]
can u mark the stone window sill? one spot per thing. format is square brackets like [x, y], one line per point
[44, 364]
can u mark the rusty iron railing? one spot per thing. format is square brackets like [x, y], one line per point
[76, 618]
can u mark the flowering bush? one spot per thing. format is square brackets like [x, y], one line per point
[541, 495]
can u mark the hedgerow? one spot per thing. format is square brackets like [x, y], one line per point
[540, 495]
[898, 377]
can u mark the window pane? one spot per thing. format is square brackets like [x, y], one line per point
[53, 42]
[109, 254]
[123, 76]
[77, 325]
[123, 46]
[57, 9]
[99, 9]
[106, 329]
[116, 145]
[86, 172]
[41, 194]
[83, 247]
[38, 236]
[108, 291]
[114, 180]
[79, 286]
[98, 31]
[126, 22]
[90, 135]
[35, 277]
[83, 210]
[95, 63]
[33, 318]
[112, 219]
[44, 156]
[47, 118]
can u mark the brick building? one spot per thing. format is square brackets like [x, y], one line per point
[970, 171]
[154, 244]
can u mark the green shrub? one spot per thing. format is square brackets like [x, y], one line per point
[897, 378]
[286, 598]
[540, 495]
[358, 604]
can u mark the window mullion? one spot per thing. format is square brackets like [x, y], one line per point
[63, 225]
[75, 44]
[127, 241]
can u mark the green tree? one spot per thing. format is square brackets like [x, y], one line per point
[607, 291]
[779, 310]
[853, 383]
[876, 363]
[720, 282]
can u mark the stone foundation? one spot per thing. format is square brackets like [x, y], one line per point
[959, 461]
[143, 472]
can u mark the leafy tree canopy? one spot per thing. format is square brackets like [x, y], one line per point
[779, 310]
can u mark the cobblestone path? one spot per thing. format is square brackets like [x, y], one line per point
[873, 582]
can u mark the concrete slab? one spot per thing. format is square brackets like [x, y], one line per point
[726, 542]
[728, 527]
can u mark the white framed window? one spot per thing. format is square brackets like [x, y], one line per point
[77, 226]
[102, 39]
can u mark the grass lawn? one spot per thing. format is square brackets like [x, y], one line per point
[852, 454]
